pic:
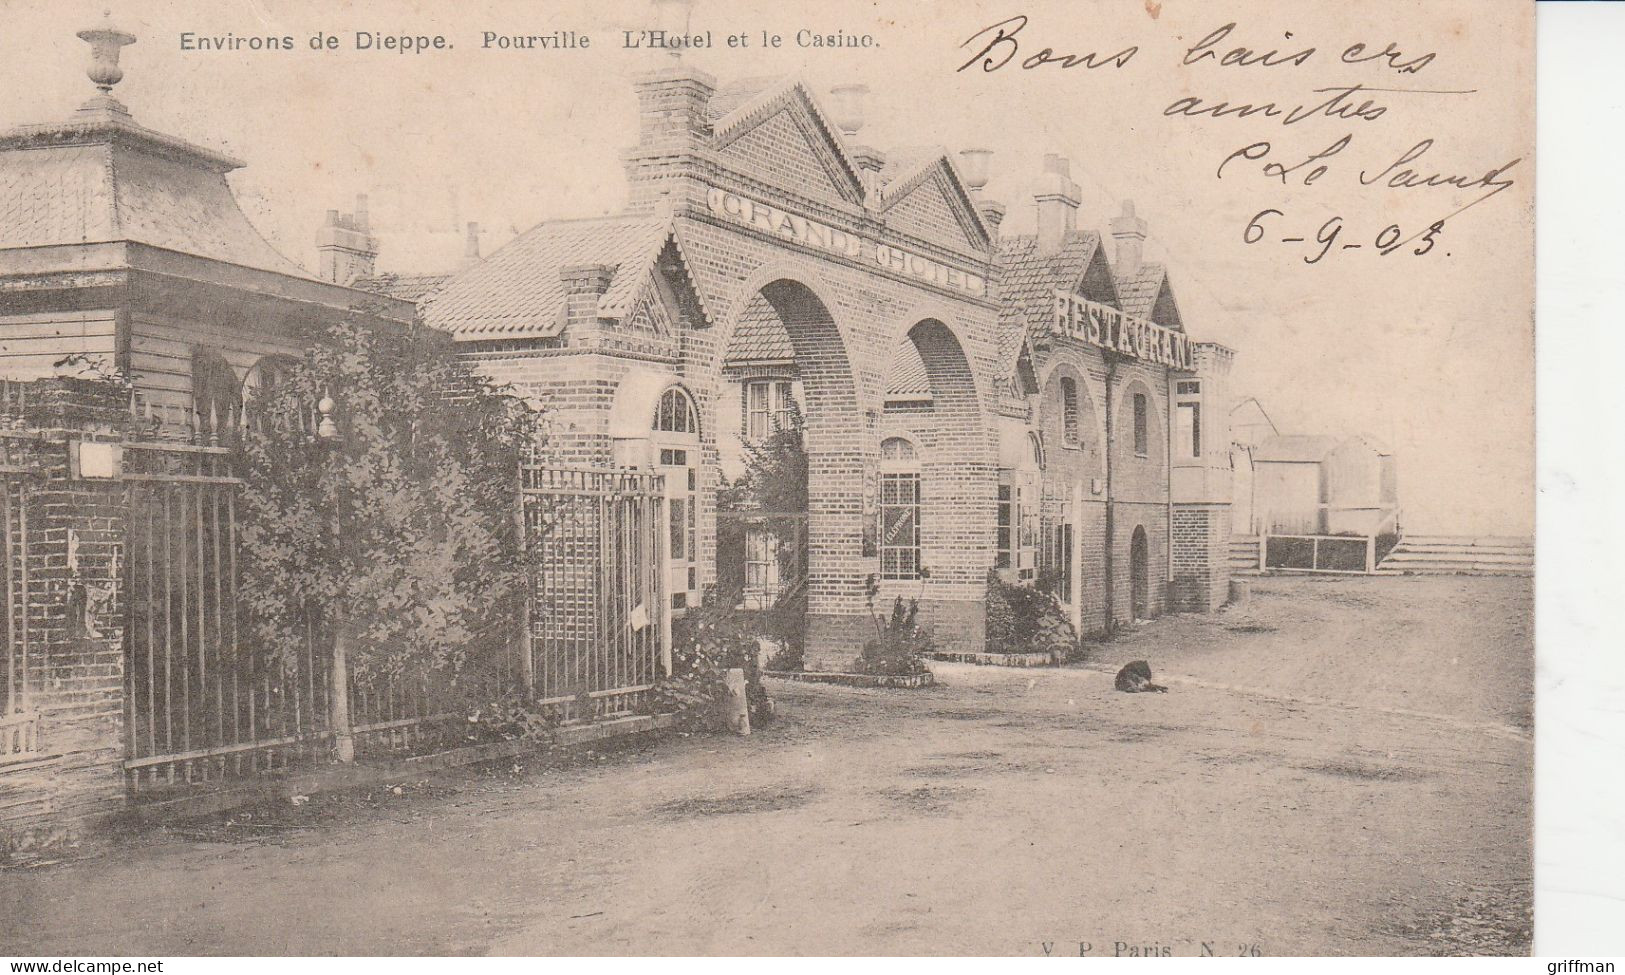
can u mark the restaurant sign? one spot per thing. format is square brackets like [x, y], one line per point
[833, 240]
[1105, 326]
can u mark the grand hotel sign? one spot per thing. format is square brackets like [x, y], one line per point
[1105, 326]
[818, 236]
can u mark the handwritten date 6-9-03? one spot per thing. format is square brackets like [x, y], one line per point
[1266, 223]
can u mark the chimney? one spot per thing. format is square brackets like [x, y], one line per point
[584, 285]
[345, 246]
[1058, 198]
[672, 103]
[847, 104]
[471, 245]
[973, 166]
[1128, 231]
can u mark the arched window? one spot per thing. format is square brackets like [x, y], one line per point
[260, 387]
[676, 426]
[1071, 434]
[896, 452]
[217, 399]
[676, 413]
[1141, 427]
[899, 510]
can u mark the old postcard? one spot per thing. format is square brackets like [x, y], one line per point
[709, 477]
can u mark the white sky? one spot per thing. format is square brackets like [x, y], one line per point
[1432, 354]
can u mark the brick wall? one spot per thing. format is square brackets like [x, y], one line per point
[74, 606]
[1201, 543]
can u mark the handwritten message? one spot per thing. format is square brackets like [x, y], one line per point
[1385, 83]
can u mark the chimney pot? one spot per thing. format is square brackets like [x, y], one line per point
[1128, 233]
[1058, 199]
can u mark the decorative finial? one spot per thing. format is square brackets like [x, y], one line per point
[673, 17]
[847, 101]
[973, 165]
[105, 41]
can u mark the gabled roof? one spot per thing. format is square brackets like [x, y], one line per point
[1295, 448]
[102, 178]
[752, 105]
[517, 292]
[1029, 280]
[906, 169]
[1146, 293]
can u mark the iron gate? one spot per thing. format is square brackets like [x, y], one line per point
[599, 617]
[203, 704]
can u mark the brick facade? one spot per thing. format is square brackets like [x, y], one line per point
[784, 252]
[73, 681]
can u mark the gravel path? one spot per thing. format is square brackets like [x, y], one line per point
[1340, 767]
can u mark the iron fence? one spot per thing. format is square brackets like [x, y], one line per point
[599, 617]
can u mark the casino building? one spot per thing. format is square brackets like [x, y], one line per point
[969, 402]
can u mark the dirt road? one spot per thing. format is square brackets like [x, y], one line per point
[1346, 771]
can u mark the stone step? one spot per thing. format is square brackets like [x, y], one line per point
[1464, 550]
[1403, 554]
[1503, 541]
[1452, 568]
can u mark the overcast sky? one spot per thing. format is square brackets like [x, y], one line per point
[1432, 354]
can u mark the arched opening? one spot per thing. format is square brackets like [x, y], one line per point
[1139, 576]
[264, 381]
[217, 396]
[1140, 432]
[796, 450]
[1073, 490]
[931, 392]
[675, 440]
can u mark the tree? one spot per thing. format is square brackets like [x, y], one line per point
[388, 524]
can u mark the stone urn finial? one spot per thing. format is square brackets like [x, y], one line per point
[105, 40]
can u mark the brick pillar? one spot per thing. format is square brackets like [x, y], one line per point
[1201, 542]
[75, 509]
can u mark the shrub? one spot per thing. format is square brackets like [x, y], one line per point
[899, 646]
[1022, 619]
[708, 641]
[390, 524]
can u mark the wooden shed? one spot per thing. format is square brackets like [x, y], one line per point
[1324, 485]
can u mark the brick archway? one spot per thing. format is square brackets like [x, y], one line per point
[840, 458]
[957, 464]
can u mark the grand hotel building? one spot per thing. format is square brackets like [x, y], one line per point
[971, 401]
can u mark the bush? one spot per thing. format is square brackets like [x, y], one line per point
[708, 641]
[1022, 619]
[388, 521]
[899, 646]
